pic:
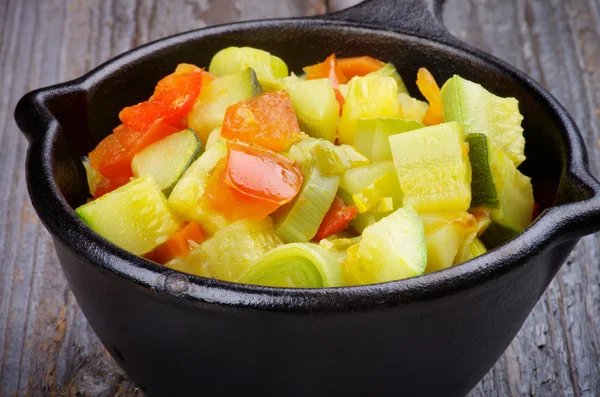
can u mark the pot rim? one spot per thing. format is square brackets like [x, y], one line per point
[555, 225]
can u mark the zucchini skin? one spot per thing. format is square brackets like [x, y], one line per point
[483, 191]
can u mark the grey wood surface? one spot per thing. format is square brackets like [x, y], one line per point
[46, 345]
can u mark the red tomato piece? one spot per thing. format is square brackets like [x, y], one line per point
[252, 182]
[267, 120]
[329, 69]
[359, 66]
[173, 98]
[112, 157]
[178, 245]
[338, 218]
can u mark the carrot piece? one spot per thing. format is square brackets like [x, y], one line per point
[431, 92]
[329, 69]
[178, 245]
[336, 219]
[267, 120]
[359, 66]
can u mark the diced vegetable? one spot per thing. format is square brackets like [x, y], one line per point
[186, 196]
[94, 178]
[340, 241]
[392, 249]
[411, 108]
[368, 97]
[335, 160]
[166, 160]
[173, 98]
[389, 70]
[267, 120]
[336, 219]
[251, 182]
[359, 66]
[368, 184]
[213, 137]
[297, 265]
[445, 233]
[217, 96]
[433, 168]
[475, 249]
[329, 69]
[231, 60]
[315, 104]
[299, 220]
[231, 251]
[178, 245]
[372, 135]
[431, 92]
[480, 111]
[136, 217]
[499, 185]
[112, 157]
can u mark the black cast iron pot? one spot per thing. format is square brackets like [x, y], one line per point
[433, 335]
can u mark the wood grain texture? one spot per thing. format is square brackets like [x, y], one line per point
[47, 346]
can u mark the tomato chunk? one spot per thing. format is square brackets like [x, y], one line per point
[328, 69]
[173, 98]
[431, 92]
[112, 157]
[337, 219]
[267, 120]
[359, 66]
[178, 245]
[251, 182]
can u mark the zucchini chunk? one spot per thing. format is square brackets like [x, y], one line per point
[433, 168]
[136, 216]
[166, 160]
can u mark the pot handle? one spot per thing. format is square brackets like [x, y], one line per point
[419, 17]
[581, 215]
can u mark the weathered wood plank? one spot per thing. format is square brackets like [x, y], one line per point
[46, 345]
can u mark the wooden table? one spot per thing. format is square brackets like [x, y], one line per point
[46, 344]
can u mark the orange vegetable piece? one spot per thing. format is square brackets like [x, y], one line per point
[431, 92]
[173, 98]
[109, 185]
[112, 157]
[251, 182]
[178, 245]
[328, 69]
[336, 219]
[359, 66]
[267, 120]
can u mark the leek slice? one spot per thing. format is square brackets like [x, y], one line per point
[297, 265]
[335, 160]
[299, 220]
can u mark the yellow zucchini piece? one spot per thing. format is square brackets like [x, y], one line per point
[368, 97]
[433, 168]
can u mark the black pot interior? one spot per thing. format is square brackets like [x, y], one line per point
[89, 115]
